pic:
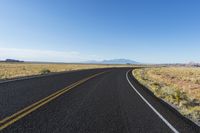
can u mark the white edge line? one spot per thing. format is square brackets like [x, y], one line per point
[161, 117]
[42, 75]
[33, 76]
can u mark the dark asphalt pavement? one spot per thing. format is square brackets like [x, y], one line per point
[103, 104]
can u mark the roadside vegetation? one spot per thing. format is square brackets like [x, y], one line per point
[179, 86]
[13, 70]
[45, 71]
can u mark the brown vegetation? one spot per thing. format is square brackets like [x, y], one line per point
[12, 70]
[179, 86]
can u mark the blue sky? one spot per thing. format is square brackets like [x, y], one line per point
[149, 31]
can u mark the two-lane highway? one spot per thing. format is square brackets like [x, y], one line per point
[101, 100]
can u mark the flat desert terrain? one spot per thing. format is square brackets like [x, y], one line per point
[179, 86]
[13, 70]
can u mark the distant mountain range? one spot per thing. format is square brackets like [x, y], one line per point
[11, 60]
[114, 61]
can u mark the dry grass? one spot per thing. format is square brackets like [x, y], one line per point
[179, 86]
[12, 70]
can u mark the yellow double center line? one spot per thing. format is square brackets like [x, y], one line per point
[22, 113]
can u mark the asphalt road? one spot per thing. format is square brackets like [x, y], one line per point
[110, 102]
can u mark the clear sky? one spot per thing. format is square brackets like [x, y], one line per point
[148, 31]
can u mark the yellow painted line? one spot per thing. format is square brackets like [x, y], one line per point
[22, 113]
[5, 119]
[28, 107]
